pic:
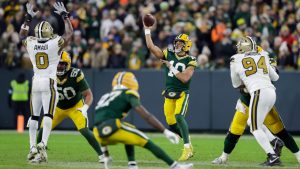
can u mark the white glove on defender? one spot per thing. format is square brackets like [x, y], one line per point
[83, 110]
[60, 8]
[30, 11]
[171, 136]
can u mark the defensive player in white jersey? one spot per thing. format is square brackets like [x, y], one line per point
[253, 71]
[44, 51]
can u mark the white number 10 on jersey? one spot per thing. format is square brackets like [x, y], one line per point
[176, 67]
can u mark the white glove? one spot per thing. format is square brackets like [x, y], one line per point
[171, 136]
[84, 109]
[60, 8]
[30, 11]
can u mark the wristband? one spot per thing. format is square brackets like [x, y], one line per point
[85, 107]
[147, 31]
[173, 70]
[25, 27]
[28, 18]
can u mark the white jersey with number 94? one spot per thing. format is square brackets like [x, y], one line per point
[252, 70]
[44, 56]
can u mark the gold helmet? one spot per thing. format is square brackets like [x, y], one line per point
[246, 44]
[187, 42]
[64, 64]
[125, 80]
[43, 30]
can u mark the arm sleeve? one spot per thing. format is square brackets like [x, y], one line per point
[193, 62]
[81, 81]
[133, 100]
[165, 51]
[235, 79]
[272, 73]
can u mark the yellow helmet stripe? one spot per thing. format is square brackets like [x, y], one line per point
[120, 78]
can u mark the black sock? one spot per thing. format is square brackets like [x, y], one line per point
[158, 152]
[89, 136]
[174, 128]
[230, 142]
[288, 140]
[130, 152]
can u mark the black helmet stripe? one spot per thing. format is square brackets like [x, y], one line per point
[252, 42]
[40, 29]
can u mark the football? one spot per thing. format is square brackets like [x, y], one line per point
[149, 20]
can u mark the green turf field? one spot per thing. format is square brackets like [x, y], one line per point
[70, 150]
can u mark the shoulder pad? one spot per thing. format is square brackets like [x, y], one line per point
[74, 72]
[133, 92]
[234, 57]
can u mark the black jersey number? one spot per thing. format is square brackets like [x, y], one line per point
[41, 60]
[251, 66]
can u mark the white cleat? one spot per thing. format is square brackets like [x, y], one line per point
[32, 153]
[182, 165]
[106, 162]
[38, 159]
[132, 165]
[43, 157]
[219, 160]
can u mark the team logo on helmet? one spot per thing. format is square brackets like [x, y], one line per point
[64, 64]
[246, 44]
[125, 80]
[43, 30]
[187, 43]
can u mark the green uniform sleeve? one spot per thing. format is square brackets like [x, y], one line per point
[82, 83]
[133, 98]
[192, 62]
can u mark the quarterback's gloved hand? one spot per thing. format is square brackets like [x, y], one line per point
[83, 110]
[30, 13]
[60, 9]
[171, 136]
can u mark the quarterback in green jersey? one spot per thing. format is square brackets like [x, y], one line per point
[178, 72]
[75, 97]
[109, 128]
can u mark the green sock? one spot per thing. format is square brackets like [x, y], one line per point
[183, 127]
[158, 152]
[230, 142]
[288, 140]
[175, 129]
[130, 152]
[39, 136]
[91, 139]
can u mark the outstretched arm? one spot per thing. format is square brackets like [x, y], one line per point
[61, 10]
[28, 17]
[155, 50]
[152, 120]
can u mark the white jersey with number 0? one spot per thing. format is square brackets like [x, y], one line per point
[44, 56]
[252, 70]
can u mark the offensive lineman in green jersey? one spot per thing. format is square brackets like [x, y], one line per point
[110, 130]
[72, 88]
[239, 123]
[178, 72]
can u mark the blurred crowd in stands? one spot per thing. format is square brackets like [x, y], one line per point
[109, 33]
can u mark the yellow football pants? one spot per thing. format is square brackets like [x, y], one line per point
[272, 121]
[76, 116]
[173, 107]
[127, 134]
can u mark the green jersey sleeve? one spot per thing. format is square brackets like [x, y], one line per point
[192, 62]
[82, 83]
[133, 98]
